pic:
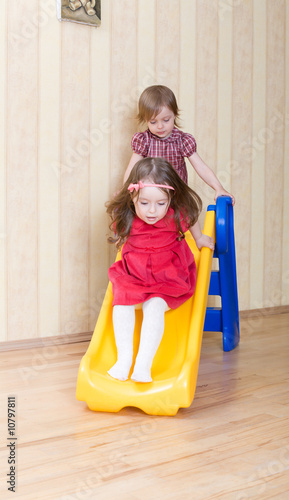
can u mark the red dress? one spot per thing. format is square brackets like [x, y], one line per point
[175, 148]
[154, 264]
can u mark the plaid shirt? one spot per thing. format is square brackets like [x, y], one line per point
[174, 148]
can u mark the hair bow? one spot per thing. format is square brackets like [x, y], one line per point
[141, 185]
[137, 186]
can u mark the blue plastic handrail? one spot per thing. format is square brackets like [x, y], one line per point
[224, 281]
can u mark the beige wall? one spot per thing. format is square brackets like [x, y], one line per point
[68, 98]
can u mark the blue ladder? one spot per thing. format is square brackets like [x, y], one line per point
[224, 281]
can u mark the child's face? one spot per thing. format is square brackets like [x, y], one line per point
[162, 124]
[151, 205]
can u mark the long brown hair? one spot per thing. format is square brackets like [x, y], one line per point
[183, 200]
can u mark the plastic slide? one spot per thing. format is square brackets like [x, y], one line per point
[175, 366]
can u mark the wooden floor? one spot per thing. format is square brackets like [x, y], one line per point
[231, 444]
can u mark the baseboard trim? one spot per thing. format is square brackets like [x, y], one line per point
[74, 338]
[36, 343]
[265, 311]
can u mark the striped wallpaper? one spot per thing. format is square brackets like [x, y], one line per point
[68, 98]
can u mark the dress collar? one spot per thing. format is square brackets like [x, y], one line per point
[139, 223]
[175, 134]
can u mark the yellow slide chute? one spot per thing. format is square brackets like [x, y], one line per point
[175, 366]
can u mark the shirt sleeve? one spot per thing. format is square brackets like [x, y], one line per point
[139, 144]
[189, 145]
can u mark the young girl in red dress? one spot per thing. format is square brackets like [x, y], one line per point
[158, 109]
[150, 215]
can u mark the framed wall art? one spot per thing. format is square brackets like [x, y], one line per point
[80, 11]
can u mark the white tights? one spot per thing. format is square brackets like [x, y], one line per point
[151, 335]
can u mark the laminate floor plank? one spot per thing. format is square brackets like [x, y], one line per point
[231, 444]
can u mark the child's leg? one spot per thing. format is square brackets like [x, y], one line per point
[151, 335]
[123, 324]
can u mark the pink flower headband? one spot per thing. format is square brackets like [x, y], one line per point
[141, 185]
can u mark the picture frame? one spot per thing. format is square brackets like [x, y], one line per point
[80, 11]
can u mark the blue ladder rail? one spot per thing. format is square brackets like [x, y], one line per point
[224, 281]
